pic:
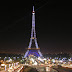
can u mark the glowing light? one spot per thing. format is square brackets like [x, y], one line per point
[5, 67]
[2, 64]
[44, 59]
[53, 60]
[70, 64]
[61, 61]
[40, 59]
[33, 13]
[32, 59]
[47, 69]
[35, 63]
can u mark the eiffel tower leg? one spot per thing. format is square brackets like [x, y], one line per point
[28, 47]
[40, 53]
[36, 43]
[26, 54]
[30, 43]
[37, 47]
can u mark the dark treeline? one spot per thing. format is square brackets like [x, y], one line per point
[57, 55]
[9, 55]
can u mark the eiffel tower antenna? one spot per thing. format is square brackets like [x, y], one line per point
[36, 51]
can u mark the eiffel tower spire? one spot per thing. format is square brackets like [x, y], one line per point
[33, 37]
[33, 8]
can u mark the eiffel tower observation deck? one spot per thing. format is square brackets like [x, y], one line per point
[33, 40]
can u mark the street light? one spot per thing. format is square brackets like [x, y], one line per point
[5, 67]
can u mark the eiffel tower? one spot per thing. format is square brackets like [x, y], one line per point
[33, 51]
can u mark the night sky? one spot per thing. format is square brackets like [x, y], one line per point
[53, 26]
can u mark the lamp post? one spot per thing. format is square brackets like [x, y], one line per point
[5, 67]
[14, 64]
[9, 66]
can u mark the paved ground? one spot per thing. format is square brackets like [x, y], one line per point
[62, 69]
[50, 69]
[39, 69]
[14, 69]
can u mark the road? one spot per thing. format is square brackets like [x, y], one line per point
[40, 68]
[14, 68]
[43, 68]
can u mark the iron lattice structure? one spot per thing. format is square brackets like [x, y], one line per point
[31, 51]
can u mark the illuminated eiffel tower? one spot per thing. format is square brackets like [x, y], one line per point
[33, 51]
